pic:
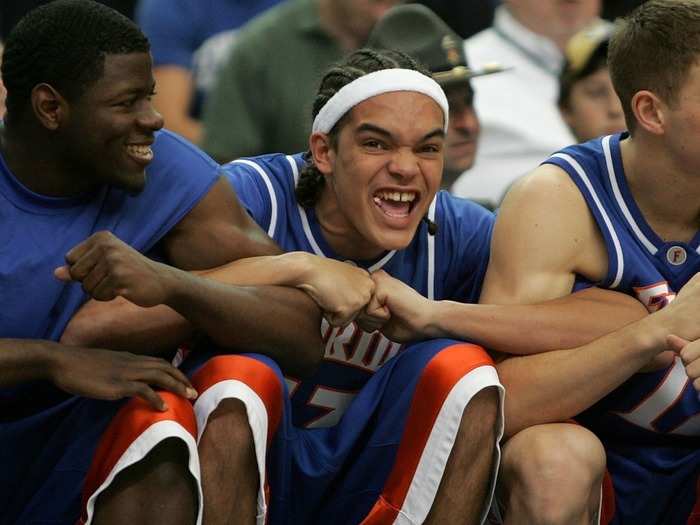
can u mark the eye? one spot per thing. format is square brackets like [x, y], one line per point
[374, 144]
[431, 148]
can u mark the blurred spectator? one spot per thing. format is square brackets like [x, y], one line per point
[587, 99]
[260, 101]
[417, 31]
[465, 18]
[521, 124]
[189, 39]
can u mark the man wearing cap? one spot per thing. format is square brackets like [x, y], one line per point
[520, 120]
[587, 98]
[417, 31]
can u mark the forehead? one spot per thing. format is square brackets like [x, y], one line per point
[399, 112]
[124, 72]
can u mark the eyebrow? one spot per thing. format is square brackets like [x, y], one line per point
[437, 132]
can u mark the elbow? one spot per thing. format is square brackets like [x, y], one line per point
[80, 332]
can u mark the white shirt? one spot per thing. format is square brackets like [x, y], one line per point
[520, 121]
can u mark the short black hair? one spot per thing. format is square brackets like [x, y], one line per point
[355, 65]
[64, 44]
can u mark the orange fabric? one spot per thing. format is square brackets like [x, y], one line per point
[607, 511]
[132, 420]
[442, 372]
[257, 375]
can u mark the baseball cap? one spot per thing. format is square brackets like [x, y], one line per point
[417, 31]
[584, 54]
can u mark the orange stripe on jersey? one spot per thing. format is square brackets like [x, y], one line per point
[437, 380]
[255, 374]
[132, 420]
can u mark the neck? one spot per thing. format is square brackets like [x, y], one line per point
[39, 167]
[667, 194]
[340, 234]
[332, 22]
[534, 25]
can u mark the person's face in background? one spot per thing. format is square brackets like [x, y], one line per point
[359, 16]
[462, 133]
[593, 108]
[558, 20]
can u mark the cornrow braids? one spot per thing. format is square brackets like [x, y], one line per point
[357, 64]
[64, 44]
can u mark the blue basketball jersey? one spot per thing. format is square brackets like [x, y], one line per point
[659, 407]
[448, 265]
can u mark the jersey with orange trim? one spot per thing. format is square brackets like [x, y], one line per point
[448, 265]
[651, 423]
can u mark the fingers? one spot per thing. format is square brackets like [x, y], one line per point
[676, 343]
[690, 355]
[62, 273]
[149, 395]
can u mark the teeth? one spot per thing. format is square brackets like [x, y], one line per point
[396, 196]
[137, 150]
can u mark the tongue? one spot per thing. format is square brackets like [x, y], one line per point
[394, 208]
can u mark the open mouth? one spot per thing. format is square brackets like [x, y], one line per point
[141, 153]
[397, 204]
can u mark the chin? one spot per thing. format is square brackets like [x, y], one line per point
[132, 184]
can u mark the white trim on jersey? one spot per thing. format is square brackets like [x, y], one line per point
[257, 418]
[431, 251]
[140, 447]
[270, 190]
[621, 202]
[433, 461]
[613, 234]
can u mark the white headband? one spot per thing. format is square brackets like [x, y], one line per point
[373, 84]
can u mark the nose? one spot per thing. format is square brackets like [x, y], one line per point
[403, 163]
[464, 119]
[150, 119]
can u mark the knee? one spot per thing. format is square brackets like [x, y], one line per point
[552, 473]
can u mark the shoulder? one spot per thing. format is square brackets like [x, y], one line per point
[170, 149]
[544, 190]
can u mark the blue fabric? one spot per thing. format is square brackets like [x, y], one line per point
[652, 454]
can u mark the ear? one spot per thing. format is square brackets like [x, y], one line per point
[322, 152]
[649, 110]
[50, 108]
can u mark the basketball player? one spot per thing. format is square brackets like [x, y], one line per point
[621, 211]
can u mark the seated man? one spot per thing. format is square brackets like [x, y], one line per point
[621, 211]
[84, 164]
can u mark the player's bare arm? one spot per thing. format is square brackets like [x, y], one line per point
[232, 316]
[404, 315]
[539, 244]
[90, 372]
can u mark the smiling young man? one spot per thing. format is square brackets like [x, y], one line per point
[84, 164]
